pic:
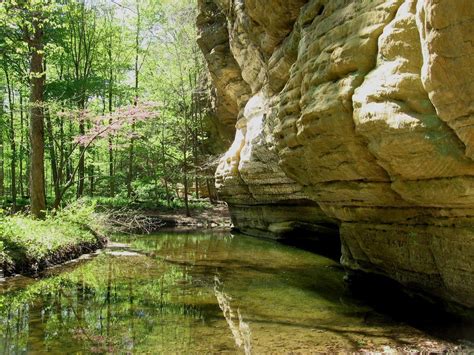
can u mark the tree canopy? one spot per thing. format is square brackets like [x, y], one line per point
[99, 98]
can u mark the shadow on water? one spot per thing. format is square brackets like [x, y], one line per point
[402, 305]
[388, 297]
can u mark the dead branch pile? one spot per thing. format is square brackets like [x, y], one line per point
[131, 221]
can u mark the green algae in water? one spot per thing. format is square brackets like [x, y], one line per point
[194, 293]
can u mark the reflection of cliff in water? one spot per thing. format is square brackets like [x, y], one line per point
[240, 330]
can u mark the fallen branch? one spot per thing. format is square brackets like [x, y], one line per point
[129, 221]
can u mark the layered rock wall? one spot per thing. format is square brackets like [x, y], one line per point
[357, 115]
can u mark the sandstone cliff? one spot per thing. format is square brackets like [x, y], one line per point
[352, 115]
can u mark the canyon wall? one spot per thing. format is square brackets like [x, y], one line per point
[355, 116]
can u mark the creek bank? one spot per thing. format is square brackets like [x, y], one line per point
[216, 217]
[146, 221]
[29, 246]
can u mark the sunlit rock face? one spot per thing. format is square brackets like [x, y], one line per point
[230, 91]
[355, 114]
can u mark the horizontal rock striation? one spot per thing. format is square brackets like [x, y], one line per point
[356, 115]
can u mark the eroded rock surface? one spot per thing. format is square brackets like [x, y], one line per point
[357, 115]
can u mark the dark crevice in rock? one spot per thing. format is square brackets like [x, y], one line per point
[322, 239]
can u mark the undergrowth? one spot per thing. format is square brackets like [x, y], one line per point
[24, 240]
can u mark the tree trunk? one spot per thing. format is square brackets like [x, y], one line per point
[82, 164]
[2, 169]
[37, 185]
[21, 154]
[11, 107]
[211, 195]
[186, 197]
[111, 166]
[69, 150]
[185, 166]
[135, 103]
[111, 142]
[163, 161]
[130, 168]
[62, 151]
[91, 172]
[28, 159]
[196, 161]
[52, 153]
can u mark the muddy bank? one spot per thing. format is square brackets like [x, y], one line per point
[17, 263]
[32, 267]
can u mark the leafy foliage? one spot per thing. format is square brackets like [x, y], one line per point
[105, 60]
[26, 240]
[105, 203]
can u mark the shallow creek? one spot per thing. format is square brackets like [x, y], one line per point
[201, 292]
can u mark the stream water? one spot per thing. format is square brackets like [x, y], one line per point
[201, 292]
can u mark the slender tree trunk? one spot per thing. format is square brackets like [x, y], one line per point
[69, 150]
[111, 166]
[2, 169]
[37, 181]
[28, 158]
[22, 141]
[195, 149]
[209, 180]
[90, 167]
[111, 142]
[91, 176]
[208, 185]
[82, 161]
[186, 197]
[62, 152]
[196, 172]
[130, 168]
[195, 129]
[185, 166]
[11, 106]
[137, 72]
[131, 155]
[163, 162]
[52, 153]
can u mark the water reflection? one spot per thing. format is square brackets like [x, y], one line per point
[240, 329]
[195, 292]
[105, 305]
